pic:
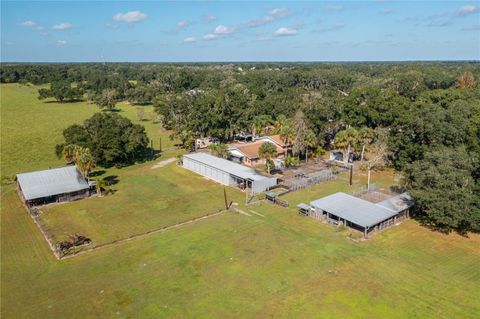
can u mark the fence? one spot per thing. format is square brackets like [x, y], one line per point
[310, 179]
[277, 201]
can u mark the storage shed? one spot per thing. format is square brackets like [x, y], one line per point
[343, 209]
[227, 173]
[52, 185]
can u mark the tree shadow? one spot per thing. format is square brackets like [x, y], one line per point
[397, 189]
[63, 102]
[97, 173]
[111, 180]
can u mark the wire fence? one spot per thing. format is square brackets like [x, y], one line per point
[310, 179]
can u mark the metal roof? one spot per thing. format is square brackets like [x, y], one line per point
[353, 209]
[397, 203]
[226, 166]
[51, 182]
[304, 206]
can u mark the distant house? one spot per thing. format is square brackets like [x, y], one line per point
[227, 173]
[205, 142]
[248, 153]
[52, 185]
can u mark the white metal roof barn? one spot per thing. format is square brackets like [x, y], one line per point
[51, 182]
[227, 172]
[344, 209]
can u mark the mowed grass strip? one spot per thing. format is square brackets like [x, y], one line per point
[143, 200]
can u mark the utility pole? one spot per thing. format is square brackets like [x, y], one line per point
[225, 197]
[351, 174]
[246, 192]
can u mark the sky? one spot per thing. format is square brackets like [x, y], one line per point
[209, 31]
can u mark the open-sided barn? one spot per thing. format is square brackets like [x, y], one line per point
[227, 172]
[344, 209]
[52, 185]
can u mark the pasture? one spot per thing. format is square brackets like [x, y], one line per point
[280, 265]
[144, 199]
[232, 265]
[31, 128]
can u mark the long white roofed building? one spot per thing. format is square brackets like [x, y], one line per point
[227, 172]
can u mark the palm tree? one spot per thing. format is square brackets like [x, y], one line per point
[310, 141]
[220, 150]
[287, 134]
[256, 125]
[69, 153]
[280, 123]
[365, 136]
[102, 184]
[85, 161]
[267, 151]
[346, 139]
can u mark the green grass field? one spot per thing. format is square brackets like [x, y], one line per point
[31, 128]
[229, 266]
[145, 199]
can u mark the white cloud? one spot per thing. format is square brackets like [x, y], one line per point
[130, 17]
[179, 26]
[27, 24]
[273, 14]
[210, 36]
[335, 7]
[40, 28]
[189, 39]
[283, 31]
[219, 32]
[61, 42]
[278, 12]
[464, 10]
[62, 26]
[386, 11]
[182, 24]
[221, 29]
[210, 17]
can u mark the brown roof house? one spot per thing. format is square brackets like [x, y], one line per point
[248, 153]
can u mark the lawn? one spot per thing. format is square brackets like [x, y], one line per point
[144, 199]
[31, 128]
[281, 265]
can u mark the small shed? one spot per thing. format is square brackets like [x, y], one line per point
[52, 185]
[304, 209]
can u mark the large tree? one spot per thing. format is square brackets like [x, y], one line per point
[61, 91]
[111, 139]
[301, 131]
[107, 99]
[445, 187]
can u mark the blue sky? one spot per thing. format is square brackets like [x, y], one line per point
[62, 31]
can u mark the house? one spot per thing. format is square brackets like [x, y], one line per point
[343, 209]
[228, 173]
[277, 140]
[52, 185]
[248, 153]
[205, 142]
